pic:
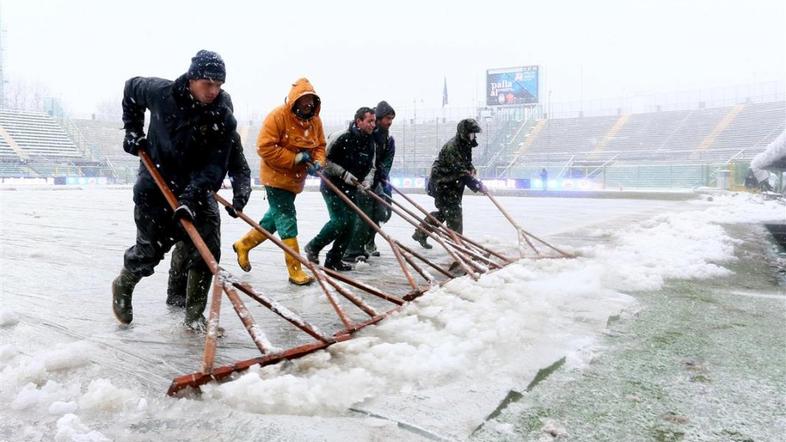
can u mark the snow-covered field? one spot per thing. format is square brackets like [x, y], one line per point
[435, 370]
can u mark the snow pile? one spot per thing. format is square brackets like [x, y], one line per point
[20, 369]
[47, 383]
[102, 395]
[684, 245]
[71, 429]
[463, 335]
[8, 318]
[542, 309]
[775, 151]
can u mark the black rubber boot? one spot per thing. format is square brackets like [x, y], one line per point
[122, 292]
[337, 265]
[456, 269]
[175, 299]
[196, 298]
[356, 257]
[371, 248]
[311, 254]
[421, 238]
[178, 278]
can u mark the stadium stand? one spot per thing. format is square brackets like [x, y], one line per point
[702, 135]
[38, 135]
[672, 148]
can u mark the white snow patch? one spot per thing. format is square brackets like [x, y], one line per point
[543, 309]
[32, 396]
[684, 245]
[68, 356]
[271, 390]
[7, 353]
[71, 429]
[8, 318]
[553, 429]
[102, 395]
[60, 407]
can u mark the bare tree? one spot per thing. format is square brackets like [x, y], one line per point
[23, 94]
[109, 110]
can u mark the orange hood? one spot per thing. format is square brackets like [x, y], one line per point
[300, 88]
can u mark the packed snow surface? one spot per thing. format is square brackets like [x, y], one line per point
[440, 365]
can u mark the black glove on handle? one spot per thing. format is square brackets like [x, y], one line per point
[134, 141]
[184, 212]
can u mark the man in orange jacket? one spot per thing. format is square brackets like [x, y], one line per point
[290, 138]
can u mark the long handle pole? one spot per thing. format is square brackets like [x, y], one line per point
[320, 277]
[428, 214]
[431, 235]
[373, 225]
[518, 227]
[215, 301]
[188, 226]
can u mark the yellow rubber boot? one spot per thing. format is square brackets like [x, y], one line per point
[296, 274]
[251, 239]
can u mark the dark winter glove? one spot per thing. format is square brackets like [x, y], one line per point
[184, 212]
[349, 178]
[232, 211]
[302, 157]
[134, 141]
[238, 203]
[475, 185]
[313, 168]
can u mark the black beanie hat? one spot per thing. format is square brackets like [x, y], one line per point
[383, 109]
[207, 65]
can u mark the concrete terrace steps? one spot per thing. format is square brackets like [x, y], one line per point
[721, 126]
[36, 134]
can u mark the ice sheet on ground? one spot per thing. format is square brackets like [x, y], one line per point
[442, 364]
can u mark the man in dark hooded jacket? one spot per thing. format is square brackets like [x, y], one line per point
[349, 160]
[451, 171]
[240, 177]
[189, 139]
[362, 243]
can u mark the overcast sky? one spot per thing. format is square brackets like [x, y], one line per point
[356, 53]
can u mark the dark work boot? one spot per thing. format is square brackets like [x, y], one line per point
[178, 280]
[122, 291]
[337, 265]
[456, 269]
[175, 299]
[421, 238]
[355, 257]
[196, 298]
[371, 248]
[311, 254]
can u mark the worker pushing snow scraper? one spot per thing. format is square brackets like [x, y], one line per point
[349, 160]
[240, 177]
[451, 171]
[189, 139]
[362, 244]
[291, 145]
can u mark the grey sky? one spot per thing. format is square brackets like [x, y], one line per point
[356, 53]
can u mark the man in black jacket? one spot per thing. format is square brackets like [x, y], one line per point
[362, 243]
[189, 139]
[349, 160]
[240, 177]
[451, 171]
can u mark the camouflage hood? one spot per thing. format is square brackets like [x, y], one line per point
[466, 127]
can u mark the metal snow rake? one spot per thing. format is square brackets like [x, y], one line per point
[474, 262]
[404, 256]
[523, 235]
[224, 282]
